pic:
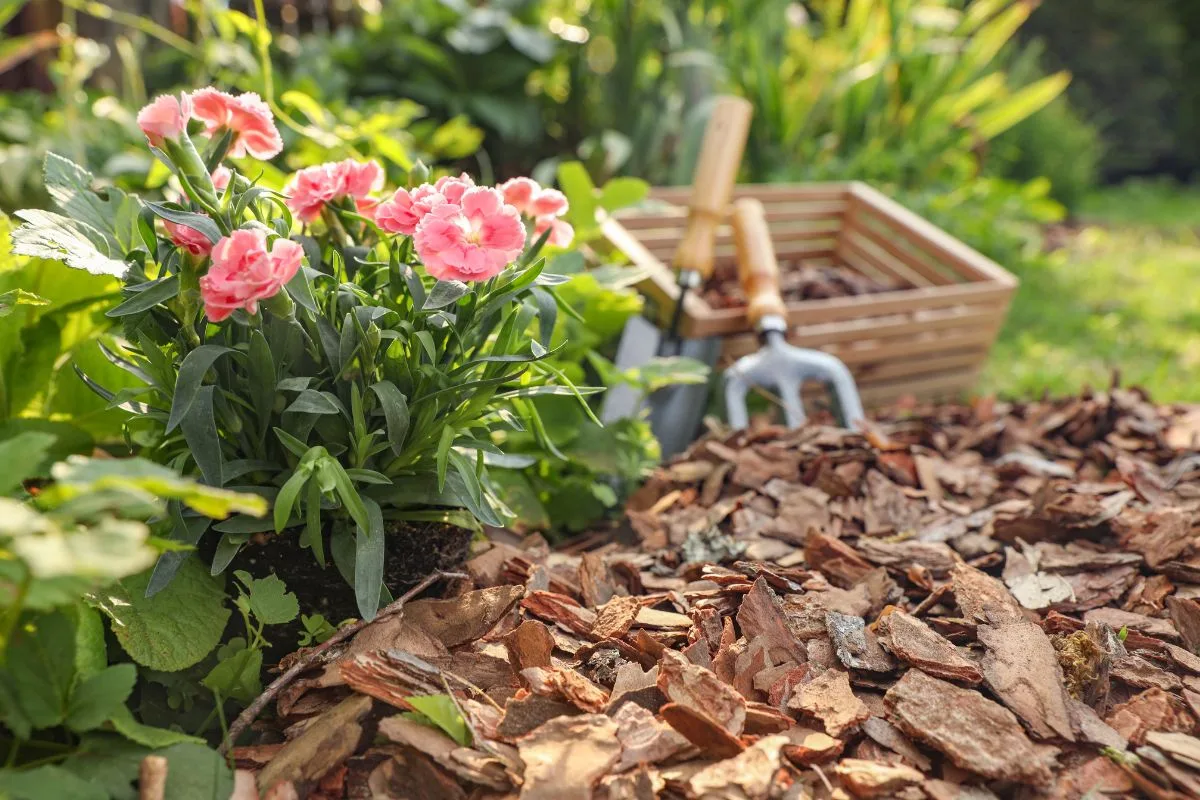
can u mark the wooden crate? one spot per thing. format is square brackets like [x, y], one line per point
[928, 338]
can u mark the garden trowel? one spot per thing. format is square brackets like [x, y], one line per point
[676, 411]
[778, 364]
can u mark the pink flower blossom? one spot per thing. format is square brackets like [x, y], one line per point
[404, 210]
[453, 188]
[250, 119]
[471, 241]
[561, 231]
[243, 272]
[312, 188]
[189, 239]
[165, 118]
[519, 193]
[221, 177]
[548, 203]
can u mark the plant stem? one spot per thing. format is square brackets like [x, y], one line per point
[99, 10]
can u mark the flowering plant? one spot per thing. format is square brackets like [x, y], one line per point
[355, 356]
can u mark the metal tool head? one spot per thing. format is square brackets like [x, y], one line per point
[785, 368]
[778, 364]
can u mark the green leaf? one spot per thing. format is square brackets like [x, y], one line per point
[200, 223]
[285, 501]
[622, 192]
[146, 735]
[395, 413]
[191, 375]
[45, 782]
[444, 714]
[199, 428]
[270, 601]
[444, 293]
[443, 453]
[351, 500]
[40, 668]
[19, 297]
[177, 627]
[311, 401]
[58, 238]
[92, 474]
[196, 772]
[149, 295]
[91, 653]
[96, 699]
[577, 185]
[991, 122]
[237, 676]
[541, 391]
[109, 761]
[369, 557]
[113, 215]
[20, 458]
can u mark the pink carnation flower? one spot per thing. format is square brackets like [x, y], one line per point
[519, 193]
[312, 188]
[243, 272]
[561, 231]
[453, 189]
[548, 203]
[189, 239]
[221, 177]
[250, 119]
[471, 241]
[165, 118]
[404, 210]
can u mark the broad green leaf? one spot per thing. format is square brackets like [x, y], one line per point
[40, 667]
[113, 215]
[369, 557]
[177, 627]
[196, 772]
[191, 376]
[622, 192]
[147, 735]
[237, 675]
[270, 601]
[110, 761]
[96, 699]
[91, 653]
[443, 713]
[395, 413]
[19, 297]
[20, 458]
[45, 782]
[46, 234]
[90, 474]
[577, 185]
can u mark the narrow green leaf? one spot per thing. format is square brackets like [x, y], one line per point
[285, 501]
[443, 713]
[197, 222]
[443, 454]
[445, 293]
[311, 401]
[200, 431]
[369, 557]
[191, 376]
[395, 413]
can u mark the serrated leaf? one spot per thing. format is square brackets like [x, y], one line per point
[113, 215]
[176, 628]
[34, 784]
[237, 676]
[19, 297]
[109, 761]
[443, 713]
[147, 735]
[46, 234]
[40, 668]
[196, 772]
[20, 458]
[96, 699]
[270, 601]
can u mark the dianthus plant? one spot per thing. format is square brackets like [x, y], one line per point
[353, 355]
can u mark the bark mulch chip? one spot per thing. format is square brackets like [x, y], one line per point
[1000, 600]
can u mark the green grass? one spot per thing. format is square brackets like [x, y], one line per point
[1124, 294]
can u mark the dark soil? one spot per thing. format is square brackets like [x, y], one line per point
[414, 550]
[798, 281]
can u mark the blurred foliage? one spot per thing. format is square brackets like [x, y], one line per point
[1135, 68]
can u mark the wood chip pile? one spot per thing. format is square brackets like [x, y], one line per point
[997, 601]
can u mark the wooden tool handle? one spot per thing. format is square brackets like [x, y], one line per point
[757, 268]
[712, 182]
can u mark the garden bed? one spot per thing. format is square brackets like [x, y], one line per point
[963, 602]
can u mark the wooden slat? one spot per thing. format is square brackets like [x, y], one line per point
[852, 248]
[656, 239]
[932, 238]
[854, 260]
[676, 216]
[768, 193]
[790, 250]
[874, 350]
[861, 238]
[865, 224]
